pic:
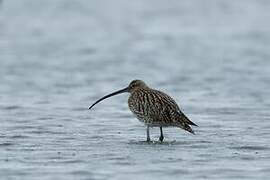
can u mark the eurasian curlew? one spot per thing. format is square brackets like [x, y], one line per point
[152, 107]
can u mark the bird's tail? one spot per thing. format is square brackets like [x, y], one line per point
[183, 122]
[188, 128]
[186, 120]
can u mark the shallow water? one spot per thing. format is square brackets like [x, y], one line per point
[57, 57]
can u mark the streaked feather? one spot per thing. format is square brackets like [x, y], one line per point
[155, 108]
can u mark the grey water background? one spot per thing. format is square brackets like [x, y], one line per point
[59, 56]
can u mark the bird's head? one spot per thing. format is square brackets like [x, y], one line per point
[132, 87]
[135, 85]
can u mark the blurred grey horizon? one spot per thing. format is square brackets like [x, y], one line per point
[58, 56]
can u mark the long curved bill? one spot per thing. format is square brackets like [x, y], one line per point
[110, 95]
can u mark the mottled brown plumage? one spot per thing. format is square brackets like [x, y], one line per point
[154, 108]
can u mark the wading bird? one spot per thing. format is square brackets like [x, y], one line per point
[152, 107]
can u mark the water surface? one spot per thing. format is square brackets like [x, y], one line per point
[57, 57]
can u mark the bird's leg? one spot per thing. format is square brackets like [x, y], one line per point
[148, 134]
[161, 137]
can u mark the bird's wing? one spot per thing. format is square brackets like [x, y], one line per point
[166, 98]
[170, 112]
[174, 109]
